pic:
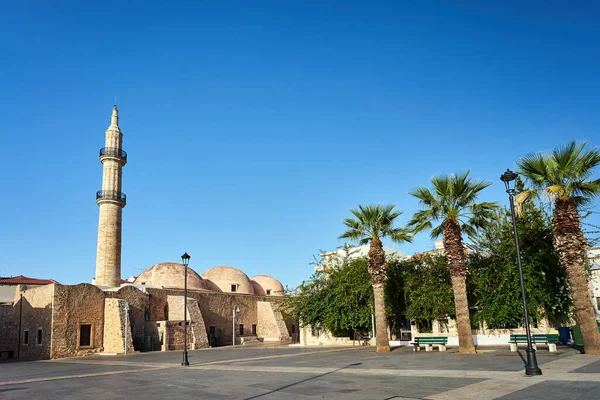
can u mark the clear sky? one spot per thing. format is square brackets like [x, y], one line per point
[252, 127]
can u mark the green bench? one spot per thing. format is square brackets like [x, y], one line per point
[538, 338]
[429, 342]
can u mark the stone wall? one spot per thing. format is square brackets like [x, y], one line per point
[197, 330]
[36, 319]
[216, 309]
[115, 315]
[9, 331]
[139, 313]
[271, 325]
[74, 306]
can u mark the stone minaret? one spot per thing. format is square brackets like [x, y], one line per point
[111, 201]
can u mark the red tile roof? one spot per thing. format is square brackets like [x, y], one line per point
[23, 280]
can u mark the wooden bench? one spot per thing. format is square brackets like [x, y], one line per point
[539, 338]
[429, 342]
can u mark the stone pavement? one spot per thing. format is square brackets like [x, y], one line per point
[304, 373]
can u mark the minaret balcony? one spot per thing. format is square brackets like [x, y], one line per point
[113, 152]
[111, 195]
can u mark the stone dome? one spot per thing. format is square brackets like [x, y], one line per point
[229, 279]
[265, 285]
[169, 275]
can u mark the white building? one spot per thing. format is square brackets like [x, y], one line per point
[594, 259]
[351, 253]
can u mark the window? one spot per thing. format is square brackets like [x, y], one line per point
[268, 292]
[26, 337]
[241, 329]
[233, 287]
[598, 303]
[293, 328]
[39, 336]
[254, 329]
[211, 331]
[85, 335]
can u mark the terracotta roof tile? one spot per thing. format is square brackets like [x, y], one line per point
[23, 280]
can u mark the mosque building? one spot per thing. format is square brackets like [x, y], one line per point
[112, 315]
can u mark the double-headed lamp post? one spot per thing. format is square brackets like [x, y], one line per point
[532, 365]
[236, 309]
[185, 260]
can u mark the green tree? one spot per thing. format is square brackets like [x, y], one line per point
[370, 225]
[427, 287]
[338, 299]
[452, 204]
[494, 278]
[563, 176]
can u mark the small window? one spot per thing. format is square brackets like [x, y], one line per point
[233, 287]
[39, 336]
[254, 329]
[26, 337]
[211, 330]
[268, 292]
[85, 335]
[598, 303]
[241, 329]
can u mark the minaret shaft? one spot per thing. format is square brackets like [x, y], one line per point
[111, 201]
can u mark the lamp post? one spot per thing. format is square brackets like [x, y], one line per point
[236, 309]
[532, 366]
[185, 259]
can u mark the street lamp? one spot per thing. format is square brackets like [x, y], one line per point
[236, 309]
[185, 260]
[532, 365]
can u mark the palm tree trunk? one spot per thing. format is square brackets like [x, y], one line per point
[570, 243]
[377, 269]
[381, 338]
[456, 262]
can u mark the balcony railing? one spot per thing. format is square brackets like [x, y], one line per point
[113, 152]
[111, 195]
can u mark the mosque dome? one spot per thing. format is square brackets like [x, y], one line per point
[229, 279]
[169, 275]
[265, 285]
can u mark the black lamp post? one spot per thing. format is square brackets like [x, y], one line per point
[185, 259]
[532, 365]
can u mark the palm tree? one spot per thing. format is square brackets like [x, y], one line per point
[563, 177]
[372, 223]
[452, 204]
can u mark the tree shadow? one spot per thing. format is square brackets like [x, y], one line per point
[302, 381]
[11, 389]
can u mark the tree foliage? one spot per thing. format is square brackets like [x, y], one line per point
[424, 283]
[494, 278]
[339, 299]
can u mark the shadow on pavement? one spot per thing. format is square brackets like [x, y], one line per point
[302, 381]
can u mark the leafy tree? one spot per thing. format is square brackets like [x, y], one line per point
[494, 279]
[427, 287]
[338, 299]
[564, 177]
[370, 225]
[452, 204]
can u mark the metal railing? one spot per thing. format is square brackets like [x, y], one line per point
[113, 152]
[111, 195]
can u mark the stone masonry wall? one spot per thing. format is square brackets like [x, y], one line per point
[216, 309]
[9, 333]
[271, 325]
[36, 316]
[73, 306]
[115, 311]
[139, 313]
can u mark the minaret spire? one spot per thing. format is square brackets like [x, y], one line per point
[111, 201]
[114, 121]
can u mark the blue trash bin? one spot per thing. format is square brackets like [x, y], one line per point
[563, 334]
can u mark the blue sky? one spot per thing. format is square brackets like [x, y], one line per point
[252, 127]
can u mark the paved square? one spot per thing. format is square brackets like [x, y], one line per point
[267, 373]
